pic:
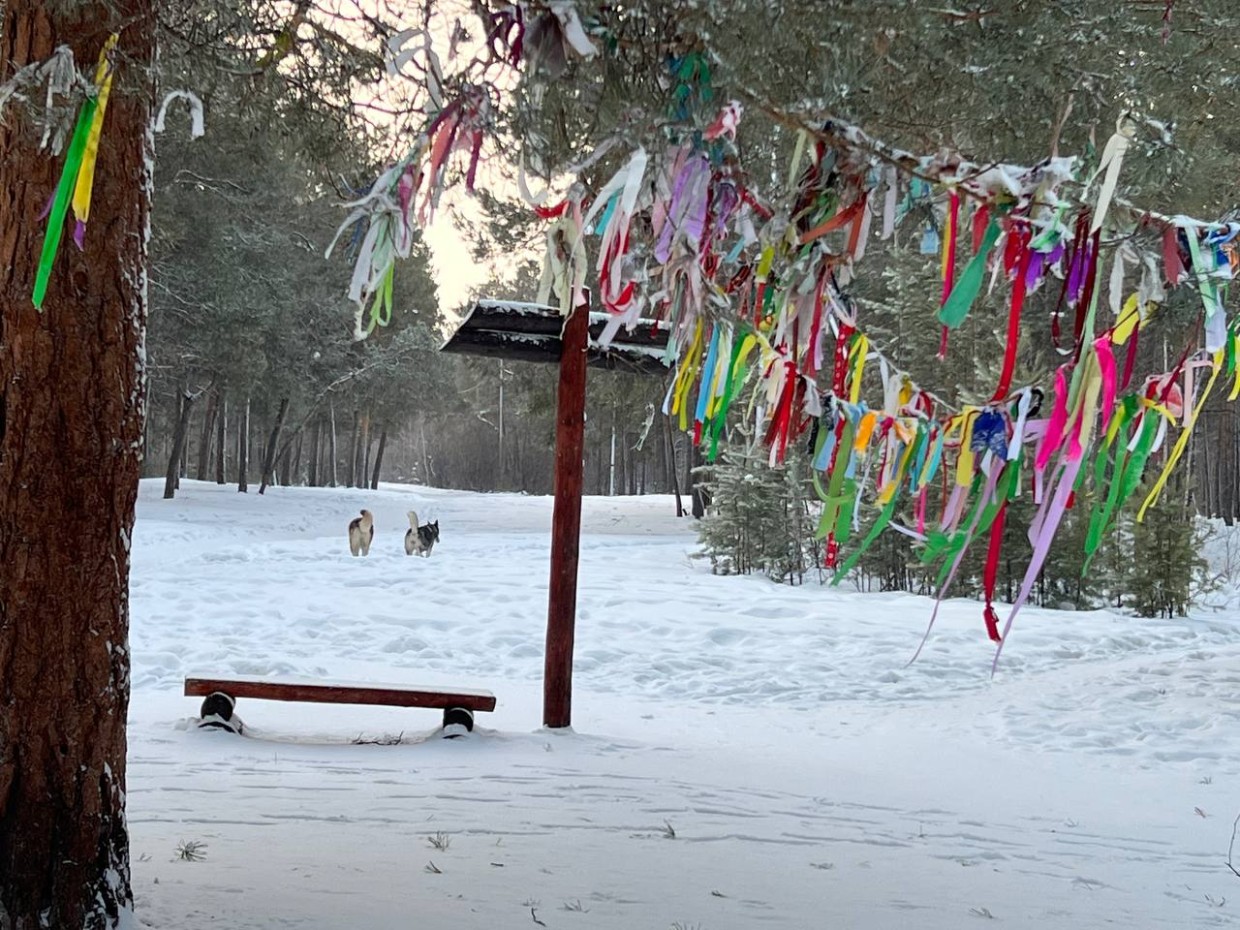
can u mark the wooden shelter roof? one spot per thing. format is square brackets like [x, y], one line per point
[531, 333]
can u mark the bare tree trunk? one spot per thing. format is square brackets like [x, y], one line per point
[316, 436]
[72, 398]
[208, 432]
[630, 464]
[374, 478]
[146, 433]
[273, 444]
[701, 497]
[178, 446]
[334, 454]
[295, 473]
[183, 462]
[426, 459]
[671, 465]
[221, 429]
[243, 450]
[355, 449]
[1224, 455]
[286, 467]
[364, 457]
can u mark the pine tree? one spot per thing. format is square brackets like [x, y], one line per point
[761, 517]
[1166, 556]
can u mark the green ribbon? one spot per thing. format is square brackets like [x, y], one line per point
[60, 205]
[832, 497]
[960, 300]
[951, 546]
[730, 389]
[1100, 517]
[381, 309]
[880, 524]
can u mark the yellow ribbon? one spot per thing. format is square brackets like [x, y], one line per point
[684, 379]
[86, 176]
[856, 362]
[1182, 443]
[964, 463]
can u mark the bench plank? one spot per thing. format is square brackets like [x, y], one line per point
[340, 693]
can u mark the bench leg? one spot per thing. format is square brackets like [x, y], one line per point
[219, 712]
[457, 721]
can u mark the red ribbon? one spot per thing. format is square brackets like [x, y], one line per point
[1018, 241]
[981, 219]
[551, 213]
[991, 573]
[840, 371]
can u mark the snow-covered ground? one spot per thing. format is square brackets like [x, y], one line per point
[810, 779]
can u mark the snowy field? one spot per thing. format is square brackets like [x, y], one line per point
[810, 779]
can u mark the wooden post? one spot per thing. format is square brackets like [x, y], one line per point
[570, 421]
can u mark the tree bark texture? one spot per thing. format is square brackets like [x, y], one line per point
[72, 398]
[178, 446]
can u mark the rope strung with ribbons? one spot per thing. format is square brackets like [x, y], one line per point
[777, 273]
[762, 329]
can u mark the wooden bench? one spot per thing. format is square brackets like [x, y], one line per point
[458, 705]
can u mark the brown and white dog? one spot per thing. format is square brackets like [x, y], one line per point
[361, 533]
[420, 539]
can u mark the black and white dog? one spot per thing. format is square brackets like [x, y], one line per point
[420, 539]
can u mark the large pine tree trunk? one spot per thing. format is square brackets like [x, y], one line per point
[374, 478]
[72, 396]
[273, 446]
[178, 446]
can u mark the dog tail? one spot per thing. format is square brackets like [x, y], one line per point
[413, 519]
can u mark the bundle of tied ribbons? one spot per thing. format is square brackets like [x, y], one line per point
[753, 293]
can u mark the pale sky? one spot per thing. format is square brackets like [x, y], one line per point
[456, 272]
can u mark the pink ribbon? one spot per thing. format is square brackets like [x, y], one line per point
[1059, 419]
[1051, 516]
